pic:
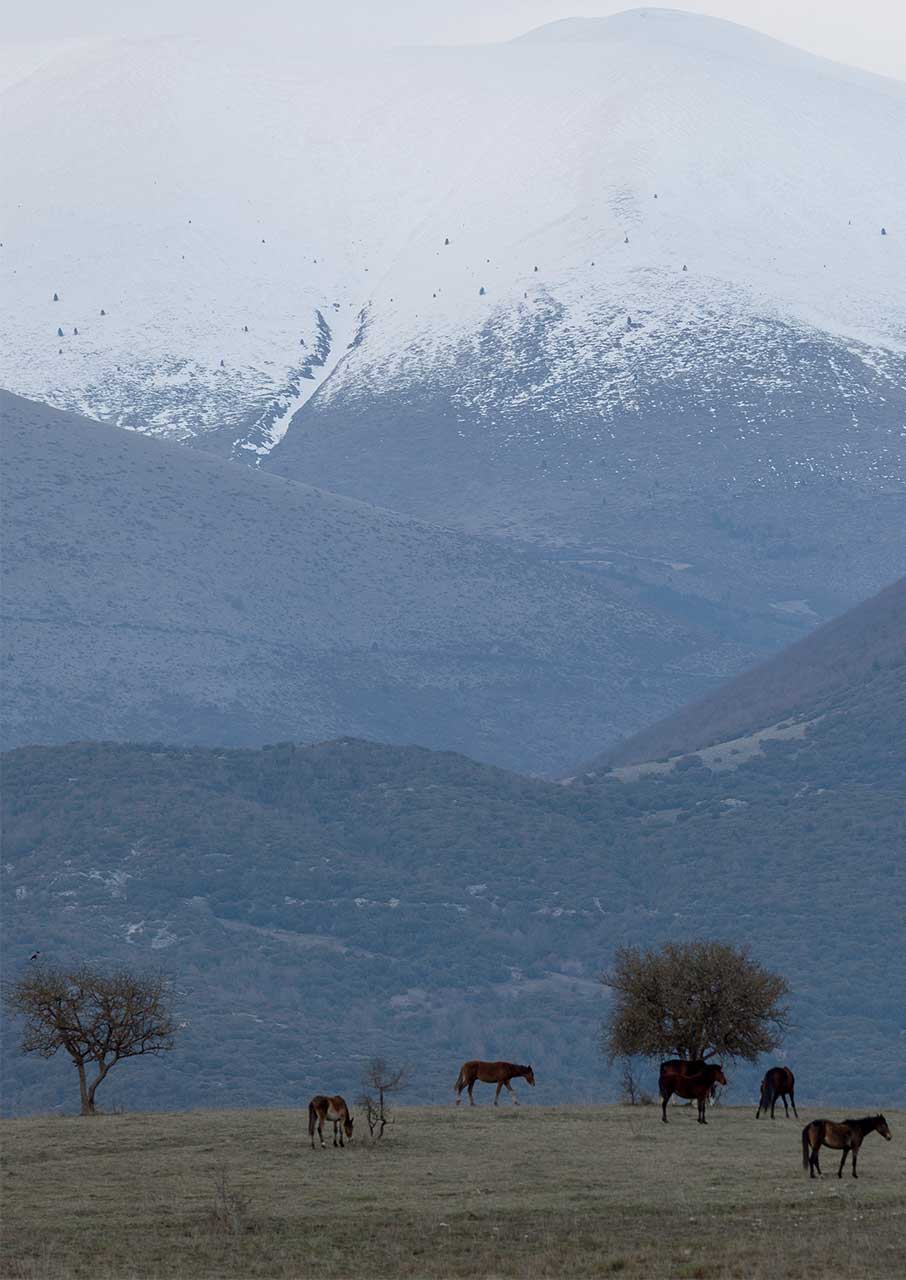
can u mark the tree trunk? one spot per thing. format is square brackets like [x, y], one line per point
[92, 1088]
[87, 1098]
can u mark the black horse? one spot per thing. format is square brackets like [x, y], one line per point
[688, 1080]
[779, 1082]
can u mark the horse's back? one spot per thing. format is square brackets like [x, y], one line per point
[328, 1107]
[829, 1133]
[780, 1079]
[488, 1072]
[688, 1078]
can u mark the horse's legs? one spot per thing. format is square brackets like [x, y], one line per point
[793, 1104]
[702, 1106]
[843, 1161]
[785, 1107]
[497, 1094]
[335, 1133]
[773, 1104]
[665, 1098]
[321, 1132]
[512, 1092]
[856, 1146]
[471, 1087]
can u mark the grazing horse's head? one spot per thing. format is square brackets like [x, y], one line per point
[883, 1128]
[347, 1125]
[530, 1076]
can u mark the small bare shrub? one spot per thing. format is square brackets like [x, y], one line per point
[629, 1085]
[380, 1080]
[230, 1213]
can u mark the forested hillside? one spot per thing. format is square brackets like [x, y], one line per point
[319, 904]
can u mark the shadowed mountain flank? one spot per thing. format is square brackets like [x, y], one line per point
[852, 666]
[155, 592]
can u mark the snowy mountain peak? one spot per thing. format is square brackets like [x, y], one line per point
[227, 232]
[675, 27]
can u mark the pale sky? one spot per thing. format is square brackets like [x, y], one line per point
[864, 33]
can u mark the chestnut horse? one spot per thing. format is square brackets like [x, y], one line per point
[499, 1073]
[779, 1082]
[688, 1080]
[849, 1136]
[322, 1108]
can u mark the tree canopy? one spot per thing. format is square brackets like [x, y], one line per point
[693, 1000]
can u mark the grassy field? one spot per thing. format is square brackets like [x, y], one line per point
[527, 1192]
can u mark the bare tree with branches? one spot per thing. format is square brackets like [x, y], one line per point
[629, 1086]
[97, 1018]
[379, 1080]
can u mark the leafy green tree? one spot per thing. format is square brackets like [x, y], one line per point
[97, 1018]
[693, 1000]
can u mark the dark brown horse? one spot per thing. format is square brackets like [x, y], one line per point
[499, 1073]
[689, 1080]
[779, 1082]
[848, 1136]
[322, 1108]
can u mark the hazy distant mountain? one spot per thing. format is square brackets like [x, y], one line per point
[632, 287]
[317, 905]
[854, 666]
[155, 593]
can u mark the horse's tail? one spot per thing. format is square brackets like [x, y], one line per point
[805, 1147]
[460, 1080]
[312, 1119]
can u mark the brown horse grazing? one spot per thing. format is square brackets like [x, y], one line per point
[689, 1080]
[322, 1108]
[849, 1136]
[779, 1082]
[499, 1073]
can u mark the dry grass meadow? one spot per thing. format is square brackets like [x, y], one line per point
[527, 1192]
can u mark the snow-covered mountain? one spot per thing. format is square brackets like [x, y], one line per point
[189, 189]
[631, 287]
